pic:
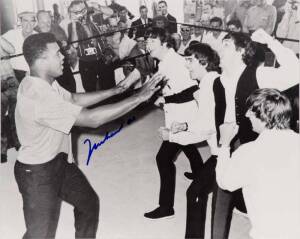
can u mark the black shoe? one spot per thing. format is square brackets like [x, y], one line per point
[189, 175]
[159, 212]
[3, 158]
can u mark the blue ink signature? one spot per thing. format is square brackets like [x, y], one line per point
[108, 136]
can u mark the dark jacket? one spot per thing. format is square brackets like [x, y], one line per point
[246, 85]
[140, 31]
[172, 24]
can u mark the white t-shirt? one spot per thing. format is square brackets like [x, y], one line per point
[44, 117]
[15, 37]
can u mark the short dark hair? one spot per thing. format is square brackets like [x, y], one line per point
[236, 22]
[142, 7]
[35, 45]
[254, 54]
[204, 52]
[160, 18]
[162, 1]
[162, 34]
[271, 107]
[193, 42]
[216, 19]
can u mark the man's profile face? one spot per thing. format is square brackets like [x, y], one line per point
[53, 59]
[154, 46]
[228, 53]
[44, 22]
[28, 23]
[163, 8]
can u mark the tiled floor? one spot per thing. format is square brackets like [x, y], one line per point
[124, 174]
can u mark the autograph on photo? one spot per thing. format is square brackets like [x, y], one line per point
[108, 136]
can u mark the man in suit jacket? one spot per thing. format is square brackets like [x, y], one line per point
[163, 7]
[144, 19]
[145, 64]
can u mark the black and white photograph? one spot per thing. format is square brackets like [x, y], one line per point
[150, 119]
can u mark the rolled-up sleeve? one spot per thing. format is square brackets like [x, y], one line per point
[283, 77]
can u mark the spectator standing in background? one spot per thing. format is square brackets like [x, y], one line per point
[9, 88]
[215, 38]
[163, 6]
[262, 15]
[144, 20]
[16, 37]
[240, 10]
[45, 24]
[186, 36]
[234, 25]
[289, 27]
[199, 33]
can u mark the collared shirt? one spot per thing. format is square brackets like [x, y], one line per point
[173, 67]
[202, 127]
[44, 117]
[268, 171]
[182, 47]
[289, 27]
[15, 37]
[260, 17]
[215, 43]
[125, 47]
[281, 78]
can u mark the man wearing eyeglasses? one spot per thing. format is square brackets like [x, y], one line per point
[95, 55]
[186, 35]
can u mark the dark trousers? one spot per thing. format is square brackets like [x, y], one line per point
[44, 186]
[223, 204]
[95, 73]
[197, 196]
[165, 159]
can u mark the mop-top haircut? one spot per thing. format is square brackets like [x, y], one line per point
[271, 107]
[254, 54]
[162, 35]
[206, 55]
[35, 45]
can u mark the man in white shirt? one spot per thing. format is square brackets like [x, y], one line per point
[266, 169]
[16, 37]
[179, 105]
[242, 73]
[45, 114]
[186, 35]
[214, 38]
[203, 64]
